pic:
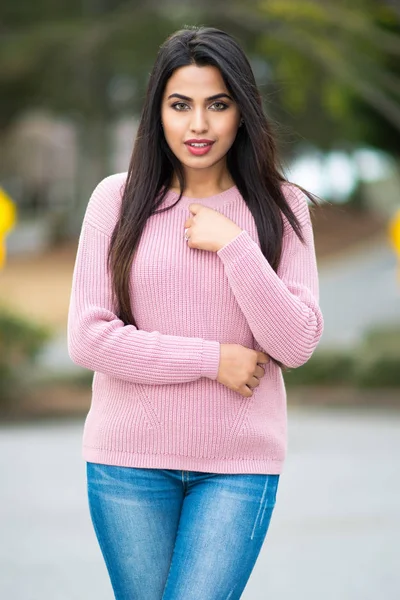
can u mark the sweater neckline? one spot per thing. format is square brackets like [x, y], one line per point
[214, 200]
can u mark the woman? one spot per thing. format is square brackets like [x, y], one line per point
[195, 282]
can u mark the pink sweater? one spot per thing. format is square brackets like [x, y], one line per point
[156, 401]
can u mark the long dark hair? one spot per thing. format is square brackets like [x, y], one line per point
[252, 159]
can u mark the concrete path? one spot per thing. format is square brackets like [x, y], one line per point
[334, 533]
[358, 291]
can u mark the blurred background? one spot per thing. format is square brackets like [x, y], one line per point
[72, 83]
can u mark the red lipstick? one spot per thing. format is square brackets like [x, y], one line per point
[194, 147]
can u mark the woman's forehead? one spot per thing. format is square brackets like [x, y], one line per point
[195, 82]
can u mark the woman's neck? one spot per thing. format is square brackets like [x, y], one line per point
[203, 188]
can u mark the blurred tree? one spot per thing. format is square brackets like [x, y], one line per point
[374, 127]
[88, 59]
[326, 60]
[78, 56]
[67, 56]
[328, 71]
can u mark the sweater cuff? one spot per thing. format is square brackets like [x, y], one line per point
[210, 359]
[239, 246]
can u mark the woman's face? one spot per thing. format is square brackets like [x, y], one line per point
[189, 112]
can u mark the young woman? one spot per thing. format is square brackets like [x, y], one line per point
[195, 283]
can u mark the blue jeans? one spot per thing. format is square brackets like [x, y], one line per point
[167, 534]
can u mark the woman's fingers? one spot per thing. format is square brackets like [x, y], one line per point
[259, 371]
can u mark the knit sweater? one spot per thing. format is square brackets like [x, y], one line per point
[156, 401]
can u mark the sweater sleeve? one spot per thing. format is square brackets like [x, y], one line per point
[281, 308]
[98, 340]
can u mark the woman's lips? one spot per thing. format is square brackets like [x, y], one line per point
[199, 150]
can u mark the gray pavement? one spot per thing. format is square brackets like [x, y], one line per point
[334, 533]
[358, 291]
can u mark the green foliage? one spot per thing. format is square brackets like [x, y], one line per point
[378, 372]
[387, 337]
[374, 363]
[20, 343]
[380, 359]
[325, 367]
[336, 68]
[320, 54]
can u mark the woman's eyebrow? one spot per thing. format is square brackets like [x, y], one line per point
[215, 97]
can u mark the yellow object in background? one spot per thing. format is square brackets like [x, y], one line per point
[8, 217]
[394, 235]
[394, 232]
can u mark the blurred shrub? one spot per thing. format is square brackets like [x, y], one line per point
[20, 343]
[374, 363]
[324, 367]
[379, 364]
[381, 371]
[383, 338]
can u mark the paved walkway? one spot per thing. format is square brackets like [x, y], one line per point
[358, 291]
[334, 534]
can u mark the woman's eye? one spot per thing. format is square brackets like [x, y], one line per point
[179, 104]
[222, 105]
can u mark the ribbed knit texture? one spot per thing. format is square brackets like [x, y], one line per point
[156, 401]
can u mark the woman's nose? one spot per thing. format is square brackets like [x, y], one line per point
[199, 121]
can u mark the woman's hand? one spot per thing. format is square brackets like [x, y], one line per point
[208, 229]
[239, 368]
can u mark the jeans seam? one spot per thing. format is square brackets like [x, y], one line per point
[262, 501]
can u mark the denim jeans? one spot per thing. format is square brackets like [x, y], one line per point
[168, 534]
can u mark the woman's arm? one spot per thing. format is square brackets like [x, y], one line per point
[99, 341]
[281, 308]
